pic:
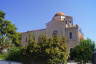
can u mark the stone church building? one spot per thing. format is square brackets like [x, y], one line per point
[60, 24]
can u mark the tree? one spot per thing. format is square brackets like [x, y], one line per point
[57, 50]
[31, 51]
[23, 54]
[48, 50]
[8, 32]
[83, 52]
[14, 54]
[2, 14]
[44, 51]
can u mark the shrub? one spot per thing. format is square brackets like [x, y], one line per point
[14, 54]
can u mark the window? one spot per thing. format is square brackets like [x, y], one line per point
[55, 32]
[26, 39]
[70, 35]
[66, 22]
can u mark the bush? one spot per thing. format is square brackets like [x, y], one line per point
[83, 52]
[3, 56]
[14, 54]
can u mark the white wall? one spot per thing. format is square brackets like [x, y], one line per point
[76, 63]
[8, 62]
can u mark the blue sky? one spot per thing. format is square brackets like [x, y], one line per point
[34, 14]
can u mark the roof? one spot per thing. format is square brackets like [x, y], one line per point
[59, 14]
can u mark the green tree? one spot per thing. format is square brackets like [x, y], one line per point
[8, 32]
[83, 52]
[44, 51]
[2, 14]
[31, 51]
[48, 50]
[14, 54]
[57, 50]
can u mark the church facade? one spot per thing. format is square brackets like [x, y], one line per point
[60, 24]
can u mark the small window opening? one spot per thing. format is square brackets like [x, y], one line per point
[70, 35]
[55, 33]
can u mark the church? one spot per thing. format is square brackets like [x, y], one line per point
[60, 24]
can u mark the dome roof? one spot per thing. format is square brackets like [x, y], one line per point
[59, 14]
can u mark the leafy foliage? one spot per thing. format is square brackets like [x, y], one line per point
[8, 32]
[2, 14]
[83, 52]
[48, 50]
[15, 54]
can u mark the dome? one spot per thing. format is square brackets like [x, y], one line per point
[59, 14]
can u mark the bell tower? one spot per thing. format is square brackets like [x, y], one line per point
[57, 25]
[68, 21]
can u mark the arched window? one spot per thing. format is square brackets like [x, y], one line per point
[55, 32]
[70, 35]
